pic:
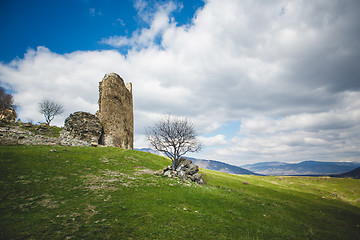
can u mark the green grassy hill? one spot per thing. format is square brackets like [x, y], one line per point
[110, 193]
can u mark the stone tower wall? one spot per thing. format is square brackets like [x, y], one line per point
[116, 112]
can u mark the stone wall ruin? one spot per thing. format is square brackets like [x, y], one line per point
[116, 112]
[81, 129]
[113, 124]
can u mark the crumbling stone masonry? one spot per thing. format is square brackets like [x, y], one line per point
[81, 129]
[116, 112]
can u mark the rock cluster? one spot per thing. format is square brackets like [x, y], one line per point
[81, 129]
[116, 112]
[184, 169]
[7, 116]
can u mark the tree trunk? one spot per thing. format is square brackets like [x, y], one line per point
[174, 164]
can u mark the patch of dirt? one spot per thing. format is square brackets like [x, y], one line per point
[108, 180]
[94, 182]
[60, 178]
[143, 170]
[90, 211]
[48, 203]
[114, 174]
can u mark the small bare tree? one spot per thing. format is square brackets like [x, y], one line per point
[173, 136]
[50, 109]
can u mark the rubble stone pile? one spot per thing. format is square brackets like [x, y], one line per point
[81, 129]
[184, 169]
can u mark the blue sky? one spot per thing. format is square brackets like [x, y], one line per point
[72, 25]
[262, 80]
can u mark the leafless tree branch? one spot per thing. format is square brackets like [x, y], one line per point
[50, 109]
[173, 136]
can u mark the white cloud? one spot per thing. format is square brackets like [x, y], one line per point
[71, 79]
[213, 141]
[145, 37]
[331, 135]
[120, 21]
[286, 69]
[93, 12]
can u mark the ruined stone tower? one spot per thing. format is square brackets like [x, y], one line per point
[116, 112]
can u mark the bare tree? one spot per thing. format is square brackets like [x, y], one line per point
[50, 109]
[173, 136]
[6, 100]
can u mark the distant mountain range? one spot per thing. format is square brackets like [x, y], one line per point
[306, 168]
[302, 168]
[209, 164]
[220, 166]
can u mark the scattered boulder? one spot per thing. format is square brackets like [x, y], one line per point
[81, 129]
[184, 169]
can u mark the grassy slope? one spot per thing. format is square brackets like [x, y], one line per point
[99, 193]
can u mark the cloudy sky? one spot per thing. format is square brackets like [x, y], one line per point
[262, 80]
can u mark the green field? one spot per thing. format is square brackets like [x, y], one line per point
[110, 193]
